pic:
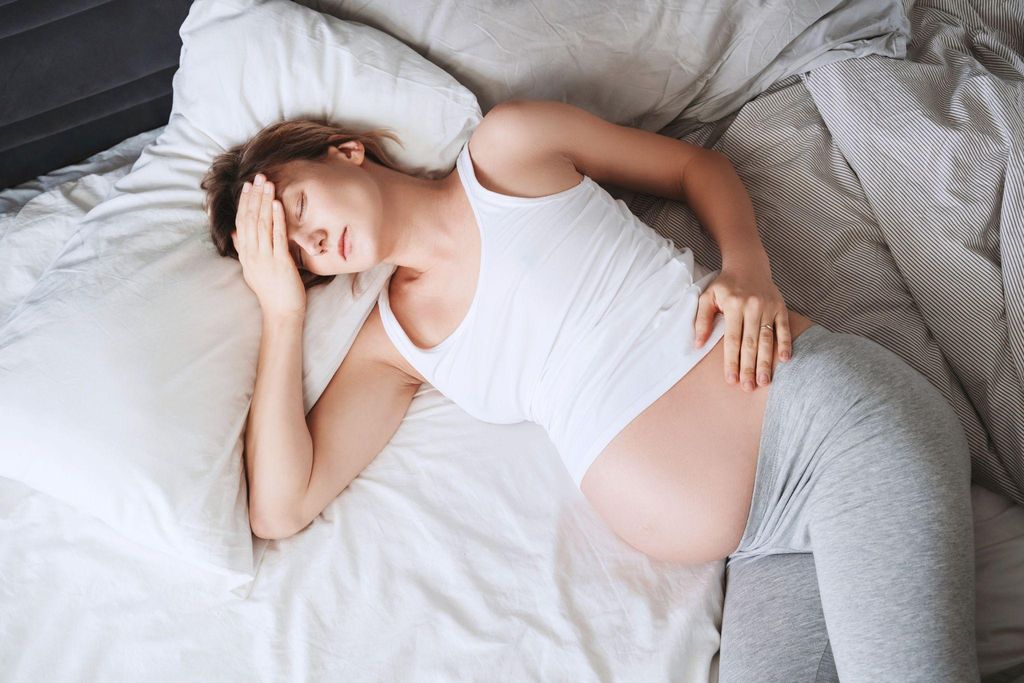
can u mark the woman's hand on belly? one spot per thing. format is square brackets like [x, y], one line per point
[676, 483]
[749, 299]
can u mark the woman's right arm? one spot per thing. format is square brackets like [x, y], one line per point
[351, 423]
[296, 465]
[278, 444]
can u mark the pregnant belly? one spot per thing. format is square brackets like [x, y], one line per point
[676, 483]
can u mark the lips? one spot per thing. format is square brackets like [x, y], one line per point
[341, 244]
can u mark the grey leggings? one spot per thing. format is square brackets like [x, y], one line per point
[857, 561]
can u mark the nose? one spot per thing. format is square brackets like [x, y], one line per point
[318, 245]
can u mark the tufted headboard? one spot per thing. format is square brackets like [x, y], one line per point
[79, 76]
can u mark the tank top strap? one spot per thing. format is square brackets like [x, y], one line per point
[484, 197]
[467, 173]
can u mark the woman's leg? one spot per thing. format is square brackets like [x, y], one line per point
[891, 529]
[864, 464]
[773, 629]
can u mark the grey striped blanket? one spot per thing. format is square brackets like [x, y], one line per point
[889, 195]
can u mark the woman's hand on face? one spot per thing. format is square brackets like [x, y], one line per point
[261, 241]
[748, 298]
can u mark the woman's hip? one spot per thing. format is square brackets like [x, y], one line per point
[843, 411]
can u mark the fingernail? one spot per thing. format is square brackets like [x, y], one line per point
[785, 355]
[267, 189]
[761, 379]
[245, 187]
[259, 179]
[748, 384]
[733, 377]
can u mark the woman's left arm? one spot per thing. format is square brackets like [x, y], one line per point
[743, 291]
[676, 169]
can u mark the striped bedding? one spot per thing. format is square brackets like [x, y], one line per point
[889, 195]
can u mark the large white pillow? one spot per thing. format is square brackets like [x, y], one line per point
[127, 371]
[275, 60]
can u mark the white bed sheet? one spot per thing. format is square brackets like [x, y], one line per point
[462, 552]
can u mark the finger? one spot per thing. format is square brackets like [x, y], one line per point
[731, 347]
[255, 204]
[765, 343]
[748, 348]
[782, 332]
[280, 238]
[251, 211]
[266, 219]
[240, 229]
[775, 361]
[704, 319]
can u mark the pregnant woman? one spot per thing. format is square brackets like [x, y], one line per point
[700, 418]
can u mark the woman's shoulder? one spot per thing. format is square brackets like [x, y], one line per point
[505, 160]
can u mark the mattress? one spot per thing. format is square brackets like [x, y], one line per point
[464, 552]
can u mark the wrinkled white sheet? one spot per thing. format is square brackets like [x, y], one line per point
[463, 552]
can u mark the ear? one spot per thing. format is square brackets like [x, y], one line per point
[352, 150]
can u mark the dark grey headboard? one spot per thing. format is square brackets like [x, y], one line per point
[79, 76]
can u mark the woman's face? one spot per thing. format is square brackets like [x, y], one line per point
[323, 198]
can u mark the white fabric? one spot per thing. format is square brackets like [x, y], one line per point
[248, 63]
[582, 316]
[461, 553]
[119, 158]
[128, 365]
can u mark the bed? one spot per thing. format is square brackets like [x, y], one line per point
[882, 147]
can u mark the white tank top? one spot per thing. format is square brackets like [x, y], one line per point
[582, 317]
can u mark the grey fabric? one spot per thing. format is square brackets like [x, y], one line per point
[863, 464]
[898, 216]
[1012, 675]
[773, 628]
[944, 173]
[641, 63]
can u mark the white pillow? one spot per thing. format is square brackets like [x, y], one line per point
[127, 372]
[274, 60]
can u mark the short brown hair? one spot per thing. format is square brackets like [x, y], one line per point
[267, 152]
